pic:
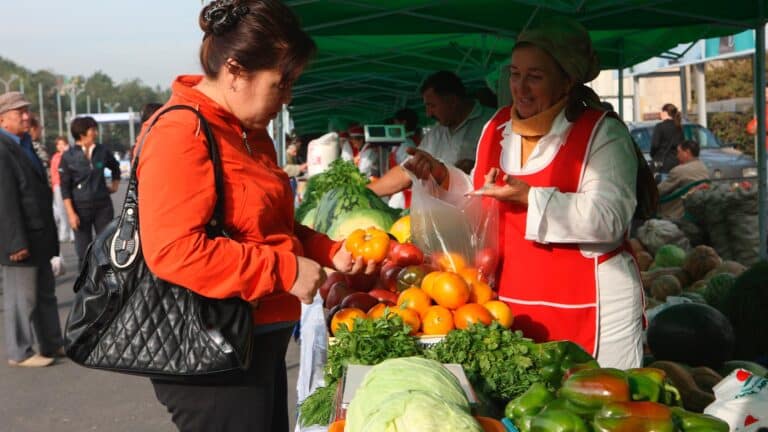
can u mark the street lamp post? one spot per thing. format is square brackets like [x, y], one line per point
[7, 82]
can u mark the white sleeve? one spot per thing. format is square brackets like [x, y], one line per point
[602, 209]
[346, 152]
[369, 161]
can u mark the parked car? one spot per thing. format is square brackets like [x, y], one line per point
[724, 162]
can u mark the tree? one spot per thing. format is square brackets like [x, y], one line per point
[730, 79]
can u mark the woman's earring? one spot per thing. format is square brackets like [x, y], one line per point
[232, 87]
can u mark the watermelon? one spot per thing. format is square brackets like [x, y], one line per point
[309, 218]
[669, 256]
[343, 199]
[718, 289]
[359, 219]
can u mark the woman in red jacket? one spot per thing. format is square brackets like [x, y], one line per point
[252, 52]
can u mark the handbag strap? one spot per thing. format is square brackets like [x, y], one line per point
[217, 220]
[125, 244]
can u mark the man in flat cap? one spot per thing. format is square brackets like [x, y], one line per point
[27, 242]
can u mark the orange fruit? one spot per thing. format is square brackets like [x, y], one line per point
[428, 282]
[450, 261]
[480, 292]
[471, 313]
[449, 290]
[410, 317]
[416, 299]
[500, 312]
[377, 311]
[437, 321]
[346, 317]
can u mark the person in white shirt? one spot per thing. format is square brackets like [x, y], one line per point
[453, 140]
[565, 174]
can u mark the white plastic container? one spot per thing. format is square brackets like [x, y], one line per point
[321, 152]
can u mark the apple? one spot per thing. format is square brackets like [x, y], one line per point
[362, 282]
[359, 300]
[486, 261]
[333, 278]
[384, 295]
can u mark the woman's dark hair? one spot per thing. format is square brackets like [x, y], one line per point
[444, 83]
[692, 146]
[673, 112]
[80, 126]
[257, 34]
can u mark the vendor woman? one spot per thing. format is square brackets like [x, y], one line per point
[565, 175]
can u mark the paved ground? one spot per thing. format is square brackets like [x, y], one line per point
[68, 398]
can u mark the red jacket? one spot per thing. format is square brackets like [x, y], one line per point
[176, 200]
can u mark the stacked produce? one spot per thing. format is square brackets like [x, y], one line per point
[337, 202]
[728, 214]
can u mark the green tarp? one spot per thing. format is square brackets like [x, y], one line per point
[373, 54]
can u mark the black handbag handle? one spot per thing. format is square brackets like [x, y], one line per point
[215, 226]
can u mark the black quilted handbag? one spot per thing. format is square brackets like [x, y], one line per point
[125, 319]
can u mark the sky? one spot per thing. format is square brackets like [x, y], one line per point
[150, 40]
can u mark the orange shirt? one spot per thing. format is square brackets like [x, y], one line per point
[176, 200]
[55, 162]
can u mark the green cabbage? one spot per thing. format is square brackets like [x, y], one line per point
[669, 256]
[409, 394]
[415, 411]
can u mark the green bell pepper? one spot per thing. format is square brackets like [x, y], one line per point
[634, 417]
[651, 384]
[558, 420]
[588, 390]
[693, 422]
[555, 358]
[523, 408]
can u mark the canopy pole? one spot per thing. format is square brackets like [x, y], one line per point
[621, 81]
[683, 92]
[636, 98]
[760, 115]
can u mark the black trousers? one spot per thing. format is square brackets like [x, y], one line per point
[247, 401]
[94, 217]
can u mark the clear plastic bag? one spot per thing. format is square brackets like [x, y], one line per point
[455, 230]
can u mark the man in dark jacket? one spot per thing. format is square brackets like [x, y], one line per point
[27, 242]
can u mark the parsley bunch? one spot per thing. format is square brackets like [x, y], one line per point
[498, 361]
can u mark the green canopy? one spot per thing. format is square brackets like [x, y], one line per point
[373, 54]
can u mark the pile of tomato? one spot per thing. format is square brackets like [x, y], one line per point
[433, 294]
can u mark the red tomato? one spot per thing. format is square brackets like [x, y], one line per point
[486, 261]
[405, 254]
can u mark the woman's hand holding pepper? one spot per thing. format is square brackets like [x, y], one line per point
[344, 262]
[513, 190]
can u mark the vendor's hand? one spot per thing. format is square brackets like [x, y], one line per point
[345, 263]
[19, 255]
[309, 277]
[423, 165]
[514, 190]
[74, 220]
[115, 186]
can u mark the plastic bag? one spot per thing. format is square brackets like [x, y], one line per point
[313, 350]
[58, 266]
[454, 229]
[656, 233]
[741, 400]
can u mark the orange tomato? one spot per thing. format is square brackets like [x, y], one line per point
[337, 426]
[416, 299]
[372, 244]
[346, 317]
[500, 312]
[428, 282]
[480, 292]
[377, 311]
[410, 317]
[437, 321]
[449, 290]
[471, 313]
[469, 274]
[450, 261]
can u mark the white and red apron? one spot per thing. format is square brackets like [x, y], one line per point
[551, 288]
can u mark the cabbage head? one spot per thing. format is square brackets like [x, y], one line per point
[669, 256]
[409, 394]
